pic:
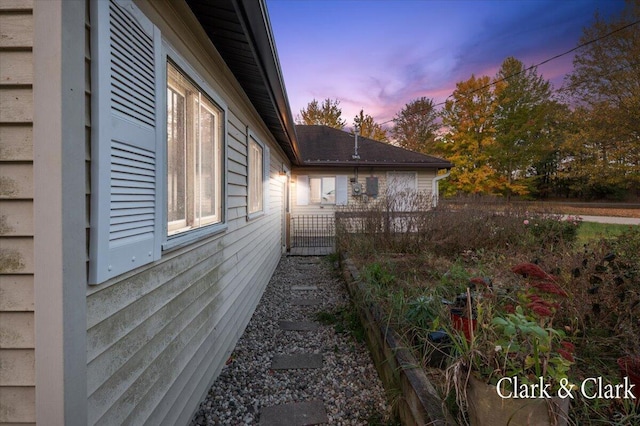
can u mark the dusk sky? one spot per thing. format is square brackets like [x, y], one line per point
[378, 55]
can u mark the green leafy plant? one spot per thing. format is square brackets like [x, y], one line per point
[377, 274]
[529, 350]
[344, 320]
[515, 335]
[422, 312]
[551, 230]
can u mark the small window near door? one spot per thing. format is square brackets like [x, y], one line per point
[256, 173]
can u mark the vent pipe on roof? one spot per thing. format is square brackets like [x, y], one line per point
[355, 155]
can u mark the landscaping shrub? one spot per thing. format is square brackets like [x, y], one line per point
[408, 224]
[552, 230]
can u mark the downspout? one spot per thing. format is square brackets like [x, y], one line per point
[434, 187]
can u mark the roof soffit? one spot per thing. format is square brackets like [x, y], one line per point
[240, 30]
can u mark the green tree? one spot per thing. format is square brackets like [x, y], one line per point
[368, 128]
[469, 139]
[603, 150]
[543, 176]
[328, 114]
[415, 126]
[523, 110]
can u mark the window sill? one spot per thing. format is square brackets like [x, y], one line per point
[255, 215]
[190, 237]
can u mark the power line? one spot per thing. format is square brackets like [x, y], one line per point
[531, 67]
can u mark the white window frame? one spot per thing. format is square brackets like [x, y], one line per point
[264, 176]
[177, 224]
[303, 190]
[322, 191]
[213, 224]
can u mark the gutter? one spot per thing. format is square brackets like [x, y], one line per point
[257, 26]
[387, 164]
[434, 187]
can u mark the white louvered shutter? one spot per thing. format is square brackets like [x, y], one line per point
[126, 117]
[302, 190]
[342, 190]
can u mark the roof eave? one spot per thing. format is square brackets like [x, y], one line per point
[249, 22]
[258, 26]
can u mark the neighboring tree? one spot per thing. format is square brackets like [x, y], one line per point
[415, 126]
[469, 139]
[328, 113]
[524, 106]
[368, 128]
[543, 175]
[603, 150]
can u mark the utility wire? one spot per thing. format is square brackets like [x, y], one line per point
[529, 68]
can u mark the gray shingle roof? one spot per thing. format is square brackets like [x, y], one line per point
[323, 145]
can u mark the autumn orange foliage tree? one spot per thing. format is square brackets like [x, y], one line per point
[468, 118]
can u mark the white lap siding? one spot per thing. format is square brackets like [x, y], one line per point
[158, 336]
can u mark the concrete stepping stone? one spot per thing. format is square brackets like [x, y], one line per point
[306, 302]
[306, 266]
[294, 414]
[291, 362]
[304, 287]
[298, 325]
[309, 262]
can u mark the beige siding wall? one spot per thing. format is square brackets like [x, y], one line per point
[425, 179]
[17, 361]
[158, 337]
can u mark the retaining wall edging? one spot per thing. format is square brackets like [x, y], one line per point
[396, 365]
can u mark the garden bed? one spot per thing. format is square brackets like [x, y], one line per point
[597, 314]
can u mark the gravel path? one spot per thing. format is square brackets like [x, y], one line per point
[347, 383]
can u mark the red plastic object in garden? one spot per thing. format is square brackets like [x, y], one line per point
[464, 324]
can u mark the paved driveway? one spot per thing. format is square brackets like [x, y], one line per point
[610, 219]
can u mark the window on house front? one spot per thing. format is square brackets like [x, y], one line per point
[402, 188]
[194, 155]
[322, 190]
[256, 173]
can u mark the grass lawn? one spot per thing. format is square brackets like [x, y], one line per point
[591, 231]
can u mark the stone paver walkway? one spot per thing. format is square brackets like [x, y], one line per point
[287, 369]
